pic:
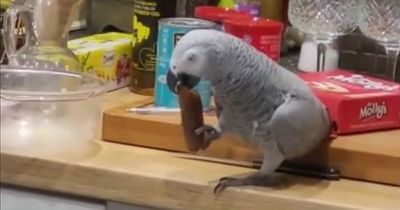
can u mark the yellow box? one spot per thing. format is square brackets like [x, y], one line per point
[107, 55]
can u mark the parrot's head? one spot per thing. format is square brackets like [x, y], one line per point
[193, 58]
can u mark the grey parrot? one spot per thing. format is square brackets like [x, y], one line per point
[257, 100]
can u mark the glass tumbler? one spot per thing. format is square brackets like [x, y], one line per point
[323, 21]
[380, 20]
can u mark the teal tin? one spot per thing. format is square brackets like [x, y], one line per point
[170, 30]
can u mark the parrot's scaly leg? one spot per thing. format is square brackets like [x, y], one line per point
[256, 179]
[210, 132]
[273, 157]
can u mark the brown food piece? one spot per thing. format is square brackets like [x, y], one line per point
[191, 116]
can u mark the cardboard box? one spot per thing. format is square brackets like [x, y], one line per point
[107, 55]
[357, 103]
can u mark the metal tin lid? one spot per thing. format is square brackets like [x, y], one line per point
[254, 23]
[217, 14]
[187, 22]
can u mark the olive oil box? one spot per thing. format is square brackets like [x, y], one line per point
[106, 55]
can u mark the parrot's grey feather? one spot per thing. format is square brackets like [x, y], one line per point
[218, 108]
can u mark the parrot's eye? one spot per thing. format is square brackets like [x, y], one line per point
[192, 57]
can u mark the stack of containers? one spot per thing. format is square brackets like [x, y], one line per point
[264, 34]
[170, 31]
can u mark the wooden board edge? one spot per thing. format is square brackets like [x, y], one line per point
[380, 169]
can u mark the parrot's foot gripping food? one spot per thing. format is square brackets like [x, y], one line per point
[210, 133]
[192, 118]
[257, 179]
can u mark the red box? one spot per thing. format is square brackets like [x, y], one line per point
[356, 102]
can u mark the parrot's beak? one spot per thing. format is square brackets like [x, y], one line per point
[181, 79]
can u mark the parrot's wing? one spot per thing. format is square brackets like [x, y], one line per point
[298, 125]
[218, 109]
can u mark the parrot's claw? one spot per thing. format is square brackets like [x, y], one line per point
[254, 180]
[210, 134]
[223, 183]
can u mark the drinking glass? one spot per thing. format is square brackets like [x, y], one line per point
[323, 21]
[380, 20]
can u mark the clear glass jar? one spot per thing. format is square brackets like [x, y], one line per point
[46, 24]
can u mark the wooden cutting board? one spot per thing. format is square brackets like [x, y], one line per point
[371, 156]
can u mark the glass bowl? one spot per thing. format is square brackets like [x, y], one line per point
[48, 111]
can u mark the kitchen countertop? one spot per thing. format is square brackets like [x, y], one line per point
[162, 179]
